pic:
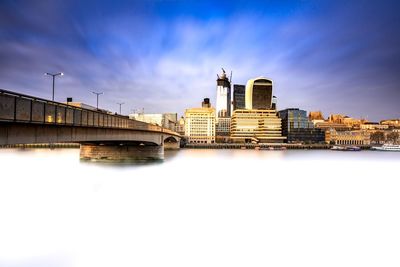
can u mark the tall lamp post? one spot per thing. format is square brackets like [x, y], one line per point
[120, 104]
[54, 76]
[97, 95]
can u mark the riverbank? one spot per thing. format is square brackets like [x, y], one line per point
[263, 146]
[197, 146]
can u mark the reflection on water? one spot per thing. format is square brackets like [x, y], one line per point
[200, 208]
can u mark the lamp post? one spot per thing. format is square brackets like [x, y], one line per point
[97, 96]
[120, 104]
[54, 76]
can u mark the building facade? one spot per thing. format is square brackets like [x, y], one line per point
[259, 94]
[374, 126]
[223, 130]
[316, 115]
[297, 127]
[394, 123]
[223, 106]
[239, 93]
[180, 126]
[256, 126]
[200, 125]
[355, 138]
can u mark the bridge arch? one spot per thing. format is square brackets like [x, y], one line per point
[171, 139]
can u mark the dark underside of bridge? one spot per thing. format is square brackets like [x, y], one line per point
[95, 143]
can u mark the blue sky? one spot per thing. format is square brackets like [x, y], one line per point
[163, 55]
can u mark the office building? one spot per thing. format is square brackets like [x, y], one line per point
[297, 127]
[259, 94]
[256, 126]
[223, 106]
[239, 93]
[223, 130]
[200, 125]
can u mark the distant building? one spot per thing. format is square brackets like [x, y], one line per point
[356, 138]
[81, 105]
[259, 94]
[274, 103]
[200, 125]
[180, 126]
[336, 118]
[326, 125]
[206, 103]
[166, 120]
[298, 128]
[395, 123]
[223, 106]
[353, 123]
[374, 126]
[315, 115]
[223, 130]
[239, 93]
[257, 126]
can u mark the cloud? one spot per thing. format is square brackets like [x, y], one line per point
[320, 57]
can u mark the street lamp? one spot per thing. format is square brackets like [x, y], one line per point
[97, 95]
[54, 76]
[120, 104]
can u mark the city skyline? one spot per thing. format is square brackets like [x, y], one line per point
[337, 58]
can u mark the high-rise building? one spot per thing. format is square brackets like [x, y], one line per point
[259, 93]
[257, 126]
[239, 93]
[223, 107]
[200, 125]
[297, 127]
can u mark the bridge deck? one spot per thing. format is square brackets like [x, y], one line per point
[20, 108]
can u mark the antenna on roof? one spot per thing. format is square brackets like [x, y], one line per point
[230, 78]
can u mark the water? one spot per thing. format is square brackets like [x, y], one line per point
[201, 208]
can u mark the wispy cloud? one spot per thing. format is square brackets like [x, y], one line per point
[325, 57]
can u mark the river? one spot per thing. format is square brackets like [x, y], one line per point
[200, 208]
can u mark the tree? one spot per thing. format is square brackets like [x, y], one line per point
[378, 137]
[393, 137]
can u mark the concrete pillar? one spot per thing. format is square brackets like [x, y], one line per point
[121, 152]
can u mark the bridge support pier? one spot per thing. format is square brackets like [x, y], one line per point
[171, 145]
[121, 152]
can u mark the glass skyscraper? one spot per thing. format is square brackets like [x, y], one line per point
[259, 93]
[297, 127]
[239, 93]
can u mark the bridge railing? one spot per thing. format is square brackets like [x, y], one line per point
[15, 107]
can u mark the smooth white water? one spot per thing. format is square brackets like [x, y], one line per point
[201, 208]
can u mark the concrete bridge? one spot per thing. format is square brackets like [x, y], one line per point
[27, 119]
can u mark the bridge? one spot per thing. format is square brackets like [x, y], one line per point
[26, 119]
